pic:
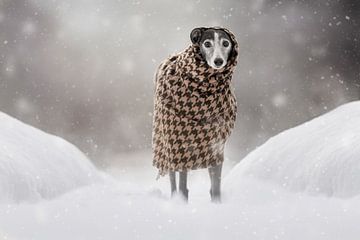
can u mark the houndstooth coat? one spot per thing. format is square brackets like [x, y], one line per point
[194, 111]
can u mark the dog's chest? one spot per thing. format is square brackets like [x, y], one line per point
[199, 99]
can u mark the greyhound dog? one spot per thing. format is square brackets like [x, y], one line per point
[215, 47]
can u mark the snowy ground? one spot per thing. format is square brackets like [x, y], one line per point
[295, 186]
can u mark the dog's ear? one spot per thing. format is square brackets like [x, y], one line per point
[196, 34]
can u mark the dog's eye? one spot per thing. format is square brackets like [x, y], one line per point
[207, 44]
[226, 43]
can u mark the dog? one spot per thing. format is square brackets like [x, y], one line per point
[195, 108]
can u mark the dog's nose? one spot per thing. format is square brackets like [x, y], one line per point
[218, 62]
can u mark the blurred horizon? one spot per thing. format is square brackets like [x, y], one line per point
[83, 69]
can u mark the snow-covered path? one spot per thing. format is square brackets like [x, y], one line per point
[269, 195]
[130, 209]
[117, 212]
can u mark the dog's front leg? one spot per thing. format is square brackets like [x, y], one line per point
[215, 178]
[172, 183]
[183, 185]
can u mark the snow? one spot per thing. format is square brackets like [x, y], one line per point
[256, 203]
[107, 212]
[35, 165]
[319, 157]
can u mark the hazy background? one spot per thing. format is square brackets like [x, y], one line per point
[83, 69]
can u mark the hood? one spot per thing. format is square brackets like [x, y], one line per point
[197, 74]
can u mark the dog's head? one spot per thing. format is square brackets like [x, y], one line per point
[215, 45]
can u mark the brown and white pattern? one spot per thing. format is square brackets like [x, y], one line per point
[194, 111]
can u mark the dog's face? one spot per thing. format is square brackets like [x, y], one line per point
[215, 46]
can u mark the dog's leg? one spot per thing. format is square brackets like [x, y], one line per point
[172, 183]
[215, 178]
[183, 185]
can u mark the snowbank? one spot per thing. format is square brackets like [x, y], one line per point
[321, 156]
[35, 165]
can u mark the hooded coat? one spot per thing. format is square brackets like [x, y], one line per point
[194, 111]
